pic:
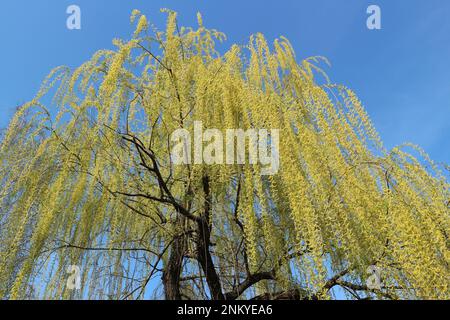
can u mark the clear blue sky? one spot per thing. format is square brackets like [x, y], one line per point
[401, 73]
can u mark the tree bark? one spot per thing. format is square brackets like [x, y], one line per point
[172, 271]
[206, 261]
[203, 244]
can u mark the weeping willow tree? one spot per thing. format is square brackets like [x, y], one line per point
[87, 180]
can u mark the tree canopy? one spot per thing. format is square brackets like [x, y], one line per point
[87, 180]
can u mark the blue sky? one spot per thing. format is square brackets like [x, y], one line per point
[401, 73]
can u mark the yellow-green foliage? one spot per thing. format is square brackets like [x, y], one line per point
[339, 197]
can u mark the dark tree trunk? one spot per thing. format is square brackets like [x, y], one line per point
[203, 244]
[206, 261]
[172, 271]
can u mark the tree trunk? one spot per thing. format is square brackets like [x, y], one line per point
[205, 259]
[172, 271]
[203, 243]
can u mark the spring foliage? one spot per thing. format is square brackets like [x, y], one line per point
[76, 188]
